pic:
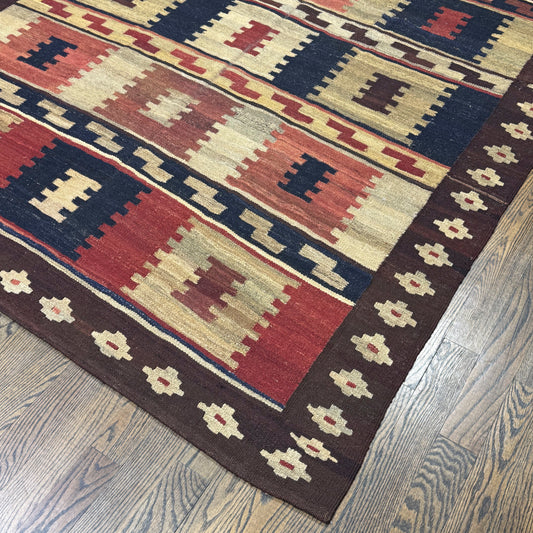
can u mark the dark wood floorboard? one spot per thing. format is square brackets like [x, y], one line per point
[498, 494]
[71, 495]
[435, 488]
[454, 454]
[509, 345]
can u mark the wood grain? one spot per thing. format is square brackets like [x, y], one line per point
[498, 495]
[70, 496]
[435, 488]
[7, 328]
[45, 420]
[495, 274]
[20, 351]
[18, 391]
[474, 308]
[152, 492]
[397, 452]
[507, 344]
[122, 432]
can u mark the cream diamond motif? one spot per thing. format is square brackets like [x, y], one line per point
[15, 282]
[329, 420]
[470, 201]
[351, 383]
[519, 131]
[56, 310]
[314, 448]
[453, 229]
[434, 254]
[486, 178]
[373, 348]
[220, 421]
[112, 345]
[287, 465]
[395, 314]
[527, 108]
[164, 381]
[501, 154]
[415, 283]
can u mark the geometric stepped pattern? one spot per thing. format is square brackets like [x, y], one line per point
[248, 216]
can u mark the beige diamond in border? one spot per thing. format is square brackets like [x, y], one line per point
[16, 282]
[453, 229]
[518, 131]
[314, 448]
[56, 310]
[433, 254]
[395, 314]
[526, 107]
[351, 383]
[164, 381]
[487, 177]
[415, 283]
[112, 344]
[329, 420]
[501, 154]
[219, 420]
[287, 464]
[470, 201]
[373, 348]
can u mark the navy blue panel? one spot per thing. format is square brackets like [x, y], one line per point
[46, 53]
[306, 178]
[468, 39]
[308, 67]
[466, 107]
[187, 18]
[117, 189]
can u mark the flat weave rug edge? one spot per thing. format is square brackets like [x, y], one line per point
[284, 440]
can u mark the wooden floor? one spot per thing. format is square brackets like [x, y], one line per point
[455, 453]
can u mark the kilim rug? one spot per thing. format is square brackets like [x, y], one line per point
[248, 216]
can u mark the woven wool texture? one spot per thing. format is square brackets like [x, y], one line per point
[249, 216]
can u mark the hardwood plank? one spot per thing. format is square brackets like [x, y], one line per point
[125, 428]
[49, 415]
[151, 492]
[434, 489]
[279, 516]
[21, 349]
[43, 443]
[399, 449]
[49, 435]
[429, 351]
[498, 494]
[20, 390]
[496, 272]
[70, 496]
[129, 426]
[231, 505]
[507, 344]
